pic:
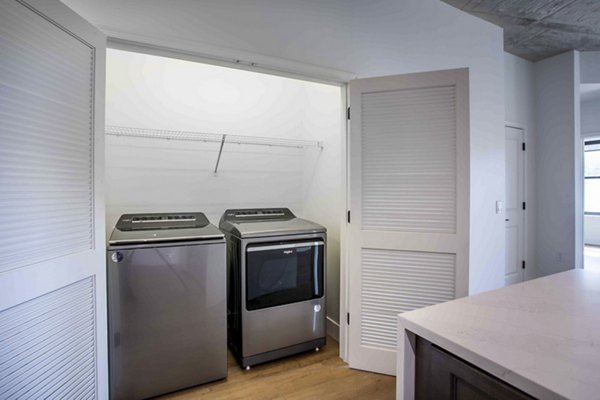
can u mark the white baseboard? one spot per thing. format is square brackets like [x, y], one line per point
[333, 329]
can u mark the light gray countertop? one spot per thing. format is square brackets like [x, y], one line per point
[541, 336]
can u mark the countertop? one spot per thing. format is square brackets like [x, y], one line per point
[541, 336]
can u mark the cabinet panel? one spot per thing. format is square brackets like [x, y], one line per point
[441, 375]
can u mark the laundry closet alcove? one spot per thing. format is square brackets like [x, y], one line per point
[188, 136]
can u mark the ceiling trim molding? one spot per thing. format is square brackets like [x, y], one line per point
[217, 55]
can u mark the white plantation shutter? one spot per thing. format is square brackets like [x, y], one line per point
[48, 346]
[409, 160]
[46, 133]
[409, 197]
[396, 281]
[53, 328]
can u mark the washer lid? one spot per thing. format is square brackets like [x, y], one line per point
[163, 227]
[264, 222]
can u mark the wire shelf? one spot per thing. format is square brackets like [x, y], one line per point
[211, 138]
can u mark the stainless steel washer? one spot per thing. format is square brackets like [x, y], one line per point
[166, 304]
[276, 284]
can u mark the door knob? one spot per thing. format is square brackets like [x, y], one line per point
[507, 219]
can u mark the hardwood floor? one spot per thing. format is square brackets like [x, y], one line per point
[313, 375]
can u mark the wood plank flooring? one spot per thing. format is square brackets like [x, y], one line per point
[313, 375]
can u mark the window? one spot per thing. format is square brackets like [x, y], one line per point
[592, 177]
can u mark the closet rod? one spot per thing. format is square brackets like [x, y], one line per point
[210, 137]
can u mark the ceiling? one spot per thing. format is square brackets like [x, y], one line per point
[537, 29]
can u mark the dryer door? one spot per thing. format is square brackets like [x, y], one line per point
[283, 273]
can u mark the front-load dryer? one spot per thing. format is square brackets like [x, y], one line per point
[276, 284]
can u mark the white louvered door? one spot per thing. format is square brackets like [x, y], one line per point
[409, 200]
[52, 258]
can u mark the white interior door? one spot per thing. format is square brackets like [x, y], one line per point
[409, 203]
[52, 268]
[515, 214]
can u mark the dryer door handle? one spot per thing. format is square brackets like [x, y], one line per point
[284, 246]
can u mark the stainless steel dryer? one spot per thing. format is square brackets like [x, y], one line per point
[276, 284]
[166, 304]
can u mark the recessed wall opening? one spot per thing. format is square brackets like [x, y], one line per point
[166, 119]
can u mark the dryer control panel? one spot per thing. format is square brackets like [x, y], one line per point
[258, 214]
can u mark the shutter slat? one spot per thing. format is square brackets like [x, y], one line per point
[395, 281]
[409, 160]
[46, 140]
[49, 343]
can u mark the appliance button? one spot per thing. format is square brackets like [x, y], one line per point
[116, 257]
[317, 307]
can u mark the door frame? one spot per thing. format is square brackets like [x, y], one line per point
[529, 272]
[585, 136]
[345, 233]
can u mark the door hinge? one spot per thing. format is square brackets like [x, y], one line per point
[524, 206]
[347, 113]
[348, 216]
[523, 264]
[348, 318]
[524, 146]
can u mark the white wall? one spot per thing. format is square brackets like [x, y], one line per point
[590, 66]
[379, 37]
[519, 100]
[559, 162]
[160, 93]
[592, 229]
[590, 118]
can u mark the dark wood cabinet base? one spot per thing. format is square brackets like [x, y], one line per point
[440, 375]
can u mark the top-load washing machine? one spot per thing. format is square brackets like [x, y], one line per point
[166, 304]
[276, 284]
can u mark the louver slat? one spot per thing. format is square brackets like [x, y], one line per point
[48, 345]
[46, 132]
[409, 160]
[395, 281]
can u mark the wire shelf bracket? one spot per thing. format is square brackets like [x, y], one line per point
[220, 152]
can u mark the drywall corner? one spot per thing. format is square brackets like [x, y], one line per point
[557, 164]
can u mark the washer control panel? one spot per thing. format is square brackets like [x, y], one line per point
[155, 221]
